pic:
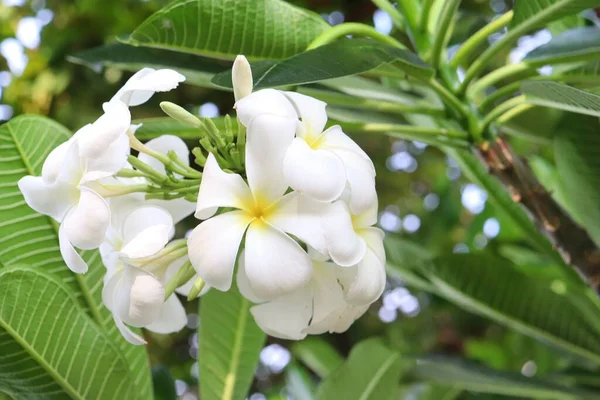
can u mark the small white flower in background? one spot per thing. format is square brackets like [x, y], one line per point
[137, 264]
[319, 163]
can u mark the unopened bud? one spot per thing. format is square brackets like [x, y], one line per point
[241, 77]
[180, 114]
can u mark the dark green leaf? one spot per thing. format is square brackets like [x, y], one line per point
[197, 70]
[229, 345]
[457, 373]
[341, 58]
[549, 310]
[318, 355]
[50, 348]
[572, 45]
[534, 13]
[563, 97]
[371, 372]
[259, 29]
[163, 382]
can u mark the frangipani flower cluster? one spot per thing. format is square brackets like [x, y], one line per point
[311, 260]
[287, 209]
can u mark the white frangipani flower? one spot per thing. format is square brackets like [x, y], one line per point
[143, 84]
[274, 262]
[319, 163]
[137, 264]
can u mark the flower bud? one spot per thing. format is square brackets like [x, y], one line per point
[241, 77]
[180, 114]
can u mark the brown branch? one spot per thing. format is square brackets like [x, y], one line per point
[572, 242]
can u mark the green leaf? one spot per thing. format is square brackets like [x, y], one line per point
[576, 146]
[534, 13]
[197, 70]
[572, 45]
[341, 58]
[50, 348]
[259, 29]
[154, 127]
[406, 260]
[557, 95]
[29, 238]
[370, 373]
[548, 310]
[318, 355]
[164, 385]
[229, 345]
[457, 373]
[298, 382]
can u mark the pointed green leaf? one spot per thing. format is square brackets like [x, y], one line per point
[572, 45]
[299, 382]
[259, 29]
[371, 372]
[341, 58]
[51, 349]
[197, 70]
[229, 345]
[29, 238]
[549, 310]
[534, 13]
[556, 95]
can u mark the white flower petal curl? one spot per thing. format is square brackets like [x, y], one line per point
[266, 101]
[345, 246]
[138, 297]
[128, 334]
[178, 208]
[335, 139]
[105, 130]
[144, 83]
[328, 296]
[53, 200]
[87, 222]
[268, 138]
[146, 231]
[172, 317]
[109, 162]
[360, 180]
[54, 162]
[311, 111]
[275, 264]
[213, 247]
[374, 238]
[365, 282]
[220, 189]
[163, 144]
[72, 259]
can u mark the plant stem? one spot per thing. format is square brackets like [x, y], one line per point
[448, 97]
[506, 72]
[443, 31]
[397, 17]
[510, 114]
[500, 110]
[344, 100]
[353, 28]
[425, 11]
[469, 46]
[182, 276]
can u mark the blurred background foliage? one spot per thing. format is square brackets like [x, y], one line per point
[423, 196]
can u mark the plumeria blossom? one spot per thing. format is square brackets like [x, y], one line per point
[274, 262]
[137, 264]
[319, 163]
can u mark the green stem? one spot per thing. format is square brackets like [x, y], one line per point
[449, 98]
[397, 17]
[506, 72]
[425, 11]
[510, 114]
[196, 288]
[352, 28]
[182, 276]
[471, 45]
[410, 10]
[500, 110]
[443, 31]
[344, 100]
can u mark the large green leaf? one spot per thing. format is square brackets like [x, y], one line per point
[197, 70]
[318, 355]
[576, 147]
[557, 95]
[28, 238]
[457, 373]
[229, 345]
[50, 348]
[259, 29]
[341, 58]
[535, 13]
[371, 372]
[549, 310]
[574, 44]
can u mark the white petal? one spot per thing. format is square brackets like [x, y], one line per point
[106, 130]
[241, 77]
[365, 282]
[347, 317]
[285, 317]
[108, 162]
[147, 243]
[128, 334]
[178, 208]
[275, 264]
[361, 181]
[54, 162]
[138, 297]
[121, 207]
[142, 85]
[266, 101]
[302, 217]
[315, 173]
[73, 166]
[87, 222]
[143, 220]
[367, 218]
[374, 238]
[328, 296]
[219, 189]
[111, 282]
[335, 139]
[213, 247]
[163, 144]
[345, 246]
[53, 200]
[311, 111]
[268, 139]
[172, 317]
[72, 259]
[243, 282]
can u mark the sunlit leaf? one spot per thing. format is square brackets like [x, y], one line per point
[534, 13]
